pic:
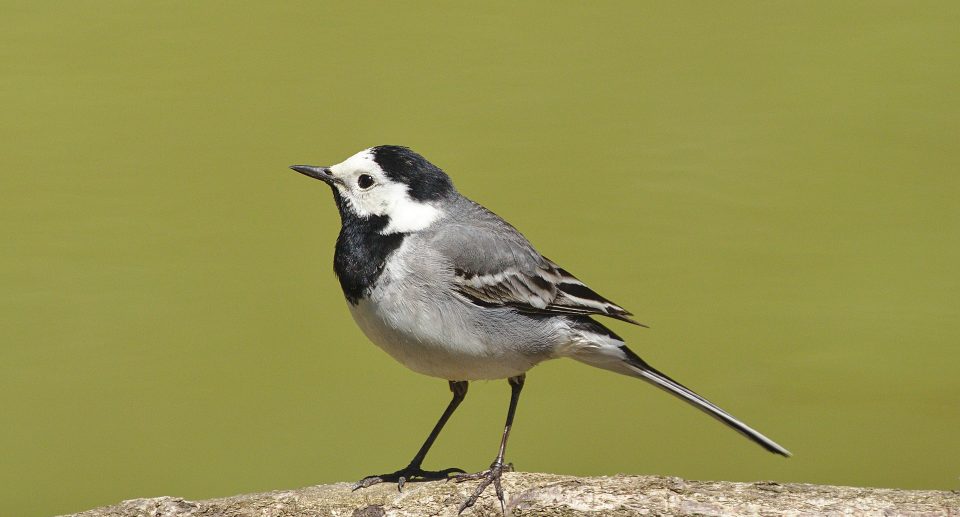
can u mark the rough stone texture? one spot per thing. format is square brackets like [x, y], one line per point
[531, 494]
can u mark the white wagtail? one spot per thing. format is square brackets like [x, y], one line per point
[451, 290]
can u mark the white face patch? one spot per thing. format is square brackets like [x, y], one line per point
[384, 198]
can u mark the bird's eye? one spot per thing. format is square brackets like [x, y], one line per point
[365, 181]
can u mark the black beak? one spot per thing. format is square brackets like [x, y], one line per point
[318, 173]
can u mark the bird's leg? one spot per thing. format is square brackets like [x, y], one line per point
[492, 474]
[413, 471]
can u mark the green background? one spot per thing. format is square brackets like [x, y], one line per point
[771, 186]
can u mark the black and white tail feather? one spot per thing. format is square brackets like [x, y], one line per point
[640, 368]
[606, 350]
[620, 359]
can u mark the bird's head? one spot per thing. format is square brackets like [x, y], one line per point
[387, 182]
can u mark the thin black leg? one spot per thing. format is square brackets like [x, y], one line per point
[492, 475]
[459, 389]
[413, 471]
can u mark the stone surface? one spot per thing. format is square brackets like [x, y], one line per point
[530, 494]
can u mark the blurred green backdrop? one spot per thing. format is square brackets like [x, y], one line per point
[771, 186]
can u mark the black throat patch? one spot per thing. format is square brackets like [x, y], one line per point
[361, 251]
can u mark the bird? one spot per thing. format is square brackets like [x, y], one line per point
[451, 290]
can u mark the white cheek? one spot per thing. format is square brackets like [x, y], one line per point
[407, 215]
[381, 198]
[357, 206]
[376, 201]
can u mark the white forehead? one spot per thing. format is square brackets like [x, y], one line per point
[362, 161]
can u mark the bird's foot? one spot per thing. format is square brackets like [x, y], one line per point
[491, 475]
[408, 473]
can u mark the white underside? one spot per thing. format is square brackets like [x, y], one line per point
[423, 343]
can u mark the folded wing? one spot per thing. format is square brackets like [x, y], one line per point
[494, 265]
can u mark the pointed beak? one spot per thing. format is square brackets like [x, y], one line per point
[319, 173]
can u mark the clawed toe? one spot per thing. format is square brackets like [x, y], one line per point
[368, 482]
[487, 477]
[409, 473]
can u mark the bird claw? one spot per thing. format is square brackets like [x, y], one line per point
[409, 473]
[487, 477]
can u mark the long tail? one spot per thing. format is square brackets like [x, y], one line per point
[622, 360]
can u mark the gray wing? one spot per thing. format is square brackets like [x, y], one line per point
[496, 266]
